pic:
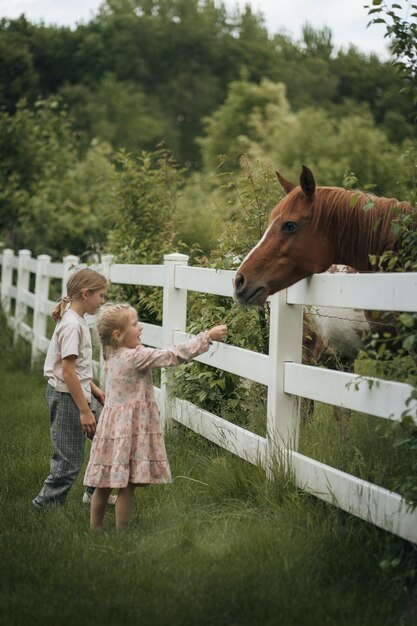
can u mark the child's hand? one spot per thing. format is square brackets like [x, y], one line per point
[98, 393]
[218, 333]
[88, 422]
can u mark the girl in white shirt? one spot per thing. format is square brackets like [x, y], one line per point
[70, 389]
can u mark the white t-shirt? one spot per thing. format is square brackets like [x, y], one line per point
[71, 336]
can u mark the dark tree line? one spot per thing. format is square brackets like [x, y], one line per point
[143, 71]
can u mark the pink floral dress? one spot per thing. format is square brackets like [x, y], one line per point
[129, 444]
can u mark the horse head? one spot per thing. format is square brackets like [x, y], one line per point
[290, 249]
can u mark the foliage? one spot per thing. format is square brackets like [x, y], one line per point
[44, 181]
[34, 144]
[396, 352]
[230, 122]
[119, 113]
[146, 190]
[393, 356]
[257, 120]
[140, 71]
[78, 208]
[401, 28]
[217, 391]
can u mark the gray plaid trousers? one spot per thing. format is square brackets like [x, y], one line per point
[68, 443]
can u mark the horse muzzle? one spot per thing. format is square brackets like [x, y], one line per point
[244, 293]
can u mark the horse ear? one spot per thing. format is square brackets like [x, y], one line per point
[307, 182]
[285, 184]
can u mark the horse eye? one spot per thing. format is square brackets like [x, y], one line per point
[289, 227]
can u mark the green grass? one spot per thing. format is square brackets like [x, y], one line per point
[220, 546]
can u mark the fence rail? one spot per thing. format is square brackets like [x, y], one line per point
[280, 371]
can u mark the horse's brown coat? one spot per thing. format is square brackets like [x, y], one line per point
[312, 228]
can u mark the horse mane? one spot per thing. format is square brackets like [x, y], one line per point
[360, 222]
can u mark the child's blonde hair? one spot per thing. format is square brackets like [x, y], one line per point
[85, 278]
[111, 317]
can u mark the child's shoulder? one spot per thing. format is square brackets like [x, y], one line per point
[71, 317]
[71, 320]
[124, 354]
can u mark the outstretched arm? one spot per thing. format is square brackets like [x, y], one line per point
[175, 355]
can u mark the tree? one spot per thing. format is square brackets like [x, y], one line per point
[118, 113]
[145, 206]
[34, 145]
[74, 213]
[317, 42]
[401, 29]
[226, 127]
[51, 200]
[18, 75]
[258, 120]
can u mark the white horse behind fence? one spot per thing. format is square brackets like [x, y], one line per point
[281, 370]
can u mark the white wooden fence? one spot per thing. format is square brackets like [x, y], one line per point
[281, 371]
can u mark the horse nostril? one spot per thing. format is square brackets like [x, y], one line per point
[239, 283]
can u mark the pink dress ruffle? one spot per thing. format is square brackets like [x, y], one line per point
[129, 445]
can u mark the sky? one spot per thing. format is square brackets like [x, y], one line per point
[347, 19]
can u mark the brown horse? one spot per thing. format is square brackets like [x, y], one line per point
[312, 228]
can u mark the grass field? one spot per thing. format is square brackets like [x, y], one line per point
[220, 546]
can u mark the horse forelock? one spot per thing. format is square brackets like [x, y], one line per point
[287, 207]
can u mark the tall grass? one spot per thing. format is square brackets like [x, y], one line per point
[220, 546]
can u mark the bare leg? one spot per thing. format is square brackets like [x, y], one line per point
[98, 507]
[124, 506]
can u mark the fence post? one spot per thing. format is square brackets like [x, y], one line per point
[6, 279]
[283, 411]
[41, 295]
[106, 261]
[71, 263]
[174, 317]
[23, 276]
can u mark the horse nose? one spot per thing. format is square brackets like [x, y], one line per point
[239, 283]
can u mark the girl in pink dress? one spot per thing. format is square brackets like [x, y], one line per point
[128, 448]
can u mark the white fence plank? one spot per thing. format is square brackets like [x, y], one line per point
[47, 306]
[205, 280]
[14, 262]
[26, 331]
[285, 344]
[43, 344]
[39, 312]
[377, 397]
[152, 335]
[28, 298]
[22, 287]
[371, 503]
[150, 275]
[55, 270]
[379, 291]
[232, 359]
[235, 439]
[6, 279]
[31, 265]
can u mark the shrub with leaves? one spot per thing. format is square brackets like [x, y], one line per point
[395, 352]
[251, 195]
[401, 30]
[146, 193]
